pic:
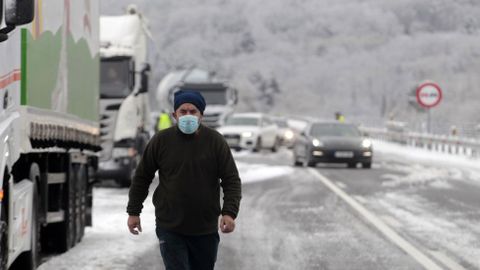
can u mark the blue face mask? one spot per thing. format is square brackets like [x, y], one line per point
[188, 124]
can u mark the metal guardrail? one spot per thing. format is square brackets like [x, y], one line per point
[440, 143]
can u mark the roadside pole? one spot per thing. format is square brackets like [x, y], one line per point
[429, 95]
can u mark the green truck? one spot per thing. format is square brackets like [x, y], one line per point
[49, 126]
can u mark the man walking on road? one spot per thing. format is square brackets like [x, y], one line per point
[193, 161]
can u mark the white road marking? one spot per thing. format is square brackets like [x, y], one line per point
[450, 263]
[406, 246]
[360, 199]
[341, 185]
[391, 221]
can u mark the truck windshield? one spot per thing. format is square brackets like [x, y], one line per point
[114, 78]
[214, 97]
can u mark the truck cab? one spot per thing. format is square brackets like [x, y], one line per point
[220, 98]
[124, 107]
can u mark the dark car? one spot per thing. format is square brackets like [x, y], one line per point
[332, 142]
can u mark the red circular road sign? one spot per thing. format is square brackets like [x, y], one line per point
[429, 95]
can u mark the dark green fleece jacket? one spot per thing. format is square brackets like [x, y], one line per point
[191, 170]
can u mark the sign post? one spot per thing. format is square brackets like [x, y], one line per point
[428, 95]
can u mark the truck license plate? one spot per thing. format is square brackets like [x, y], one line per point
[343, 154]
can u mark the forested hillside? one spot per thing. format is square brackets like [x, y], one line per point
[315, 57]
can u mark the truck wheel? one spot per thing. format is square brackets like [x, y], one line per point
[3, 233]
[65, 231]
[127, 180]
[72, 206]
[81, 202]
[366, 165]
[29, 260]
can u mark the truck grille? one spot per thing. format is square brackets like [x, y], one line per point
[108, 119]
[211, 120]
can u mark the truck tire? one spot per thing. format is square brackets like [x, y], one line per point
[4, 233]
[29, 260]
[125, 182]
[65, 231]
[81, 202]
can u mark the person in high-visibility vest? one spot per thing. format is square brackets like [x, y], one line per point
[164, 121]
[339, 117]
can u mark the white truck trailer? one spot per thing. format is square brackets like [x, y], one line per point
[221, 98]
[49, 129]
[124, 105]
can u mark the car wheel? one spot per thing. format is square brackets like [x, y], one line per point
[366, 165]
[311, 164]
[296, 162]
[275, 145]
[258, 145]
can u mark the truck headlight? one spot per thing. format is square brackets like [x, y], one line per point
[366, 143]
[247, 134]
[288, 135]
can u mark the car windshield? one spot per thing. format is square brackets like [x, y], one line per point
[337, 130]
[242, 121]
[281, 123]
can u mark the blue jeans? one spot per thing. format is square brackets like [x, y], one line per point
[188, 252]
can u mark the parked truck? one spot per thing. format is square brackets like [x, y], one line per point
[49, 129]
[124, 106]
[221, 98]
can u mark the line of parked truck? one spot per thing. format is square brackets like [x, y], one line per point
[74, 110]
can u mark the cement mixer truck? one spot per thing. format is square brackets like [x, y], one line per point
[49, 129]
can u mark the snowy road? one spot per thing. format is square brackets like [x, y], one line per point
[289, 219]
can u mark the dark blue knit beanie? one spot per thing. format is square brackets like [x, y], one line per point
[189, 96]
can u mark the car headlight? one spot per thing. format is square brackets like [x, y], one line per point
[247, 134]
[288, 134]
[317, 143]
[366, 143]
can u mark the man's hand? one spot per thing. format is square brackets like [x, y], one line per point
[134, 224]
[227, 224]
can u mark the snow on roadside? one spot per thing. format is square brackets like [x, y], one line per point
[108, 245]
[455, 230]
[423, 155]
[425, 166]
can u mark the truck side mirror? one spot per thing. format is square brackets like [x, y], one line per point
[144, 78]
[1, 11]
[131, 80]
[235, 96]
[19, 12]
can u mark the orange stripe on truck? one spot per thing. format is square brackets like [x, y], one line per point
[10, 78]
